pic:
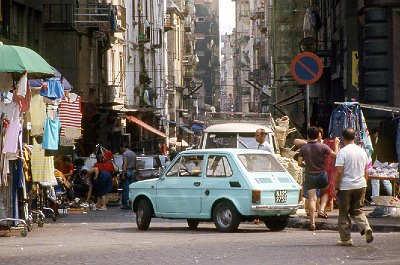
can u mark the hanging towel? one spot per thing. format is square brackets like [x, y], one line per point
[51, 135]
[70, 114]
[42, 166]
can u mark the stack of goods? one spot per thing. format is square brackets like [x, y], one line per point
[291, 165]
[384, 170]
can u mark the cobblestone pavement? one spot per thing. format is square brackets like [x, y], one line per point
[111, 237]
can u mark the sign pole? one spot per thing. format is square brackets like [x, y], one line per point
[306, 69]
[307, 105]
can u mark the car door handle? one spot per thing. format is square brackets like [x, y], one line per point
[197, 183]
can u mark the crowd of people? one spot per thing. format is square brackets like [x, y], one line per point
[91, 184]
[349, 181]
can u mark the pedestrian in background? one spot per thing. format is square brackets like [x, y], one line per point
[351, 164]
[261, 138]
[128, 174]
[313, 155]
[375, 183]
[100, 184]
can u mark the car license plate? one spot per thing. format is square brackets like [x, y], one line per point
[280, 196]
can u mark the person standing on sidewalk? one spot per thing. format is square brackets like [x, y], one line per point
[351, 163]
[313, 154]
[128, 174]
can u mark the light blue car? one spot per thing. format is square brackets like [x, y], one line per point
[226, 186]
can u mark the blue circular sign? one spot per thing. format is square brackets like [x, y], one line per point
[306, 68]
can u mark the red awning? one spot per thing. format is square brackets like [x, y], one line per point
[146, 126]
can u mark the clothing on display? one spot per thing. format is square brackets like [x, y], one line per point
[71, 116]
[51, 136]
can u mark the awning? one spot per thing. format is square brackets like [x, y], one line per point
[186, 129]
[145, 125]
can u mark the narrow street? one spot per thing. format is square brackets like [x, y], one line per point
[111, 237]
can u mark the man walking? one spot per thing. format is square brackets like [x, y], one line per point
[313, 154]
[128, 174]
[351, 163]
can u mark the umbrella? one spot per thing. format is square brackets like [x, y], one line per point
[18, 60]
[57, 75]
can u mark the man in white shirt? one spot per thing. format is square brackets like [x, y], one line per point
[263, 144]
[351, 163]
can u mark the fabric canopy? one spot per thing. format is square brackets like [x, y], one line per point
[146, 126]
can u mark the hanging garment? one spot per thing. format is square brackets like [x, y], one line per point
[51, 135]
[37, 115]
[42, 166]
[23, 102]
[17, 174]
[54, 90]
[12, 137]
[22, 85]
[11, 110]
[71, 115]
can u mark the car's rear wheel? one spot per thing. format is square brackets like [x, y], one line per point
[226, 217]
[276, 223]
[192, 223]
[143, 214]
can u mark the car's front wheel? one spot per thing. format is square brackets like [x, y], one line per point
[226, 217]
[276, 223]
[192, 223]
[143, 214]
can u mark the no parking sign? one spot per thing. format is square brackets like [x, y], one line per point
[306, 68]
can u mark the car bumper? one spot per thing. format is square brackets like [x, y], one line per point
[275, 207]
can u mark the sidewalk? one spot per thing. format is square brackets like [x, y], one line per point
[381, 224]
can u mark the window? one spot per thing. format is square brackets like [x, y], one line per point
[218, 167]
[261, 163]
[187, 166]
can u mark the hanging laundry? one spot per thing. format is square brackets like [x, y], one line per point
[42, 166]
[51, 135]
[22, 85]
[37, 114]
[54, 90]
[71, 115]
[23, 102]
[12, 137]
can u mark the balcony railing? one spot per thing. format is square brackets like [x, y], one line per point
[109, 18]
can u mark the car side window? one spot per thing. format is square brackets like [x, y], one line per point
[218, 167]
[186, 166]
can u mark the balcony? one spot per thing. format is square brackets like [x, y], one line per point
[168, 22]
[188, 73]
[112, 95]
[259, 75]
[107, 18]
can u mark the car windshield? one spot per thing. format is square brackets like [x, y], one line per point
[230, 140]
[260, 163]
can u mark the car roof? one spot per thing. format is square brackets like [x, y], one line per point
[233, 151]
[237, 128]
